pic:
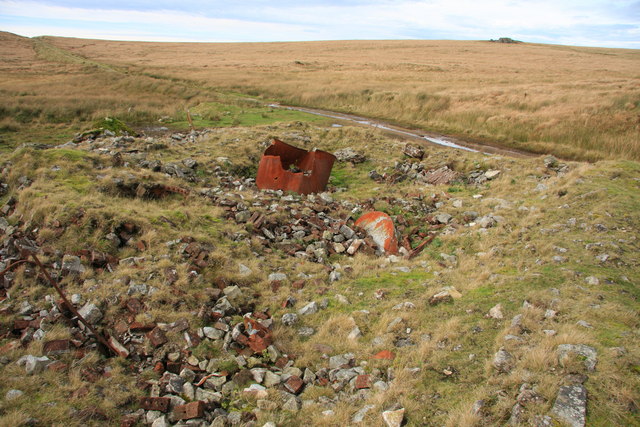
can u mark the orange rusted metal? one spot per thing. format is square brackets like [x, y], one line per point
[285, 167]
[380, 227]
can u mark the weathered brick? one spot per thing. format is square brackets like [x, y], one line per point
[138, 327]
[56, 347]
[157, 337]
[363, 381]
[385, 355]
[189, 411]
[294, 384]
[155, 403]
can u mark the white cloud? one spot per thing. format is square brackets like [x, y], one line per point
[569, 21]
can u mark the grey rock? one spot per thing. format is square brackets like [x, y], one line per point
[503, 361]
[292, 404]
[358, 417]
[393, 418]
[591, 280]
[13, 394]
[308, 309]
[334, 276]
[244, 270]
[340, 361]
[571, 405]
[91, 313]
[487, 221]
[443, 218]
[584, 324]
[160, 422]
[589, 354]
[232, 292]
[496, 312]
[33, 364]
[354, 334]
[243, 216]
[137, 289]
[289, 319]
[347, 232]
[72, 265]
[277, 276]
[271, 379]
[306, 331]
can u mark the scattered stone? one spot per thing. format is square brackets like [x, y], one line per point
[415, 151]
[503, 361]
[496, 312]
[591, 280]
[491, 174]
[289, 319]
[571, 405]
[584, 324]
[33, 364]
[91, 313]
[13, 394]
[308, 309]
[358, 417]
[393, 418]
[589, 354]
[72, 265]
[443, 218]
[280, 277]
[349, 155]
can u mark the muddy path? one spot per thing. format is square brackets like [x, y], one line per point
[419, 135]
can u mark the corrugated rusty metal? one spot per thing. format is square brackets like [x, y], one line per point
[285, 167]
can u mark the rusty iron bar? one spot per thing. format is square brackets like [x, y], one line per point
[14, 265]
[70, 306]
[421, 246]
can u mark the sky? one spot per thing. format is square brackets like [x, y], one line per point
[605, 23]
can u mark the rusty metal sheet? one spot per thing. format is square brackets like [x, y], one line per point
[285, 167]
[444, 175]
[380, 227]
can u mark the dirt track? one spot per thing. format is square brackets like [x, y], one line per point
[432, 138]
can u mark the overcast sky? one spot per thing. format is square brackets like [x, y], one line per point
[608, 23]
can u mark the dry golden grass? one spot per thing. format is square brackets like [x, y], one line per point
[580, 103]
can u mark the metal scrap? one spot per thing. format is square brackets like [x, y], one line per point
[285, 167]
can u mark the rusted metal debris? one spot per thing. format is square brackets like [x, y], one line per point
[380, 227]
[285, 167]
[444, 175]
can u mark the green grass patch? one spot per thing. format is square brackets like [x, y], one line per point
[217, 114]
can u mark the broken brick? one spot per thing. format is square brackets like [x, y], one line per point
[258, 344]
[189, 411]
[157, 337]
[363, 381]
[294, 384]
[134, 305]
[141, 327]
[298, 284]
[57, 366]
[384, 355]
[155, 403]
[56, 347]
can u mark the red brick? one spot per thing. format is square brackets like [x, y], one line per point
[294, 384]
[298, 284]
[385, 355]
[157, 337]
[134, 305]
[56, 347]
[57, 366]
[258, 344]
[174, 367]
[141, 327]
[155, 403]
[189, 411]
[363, 381]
